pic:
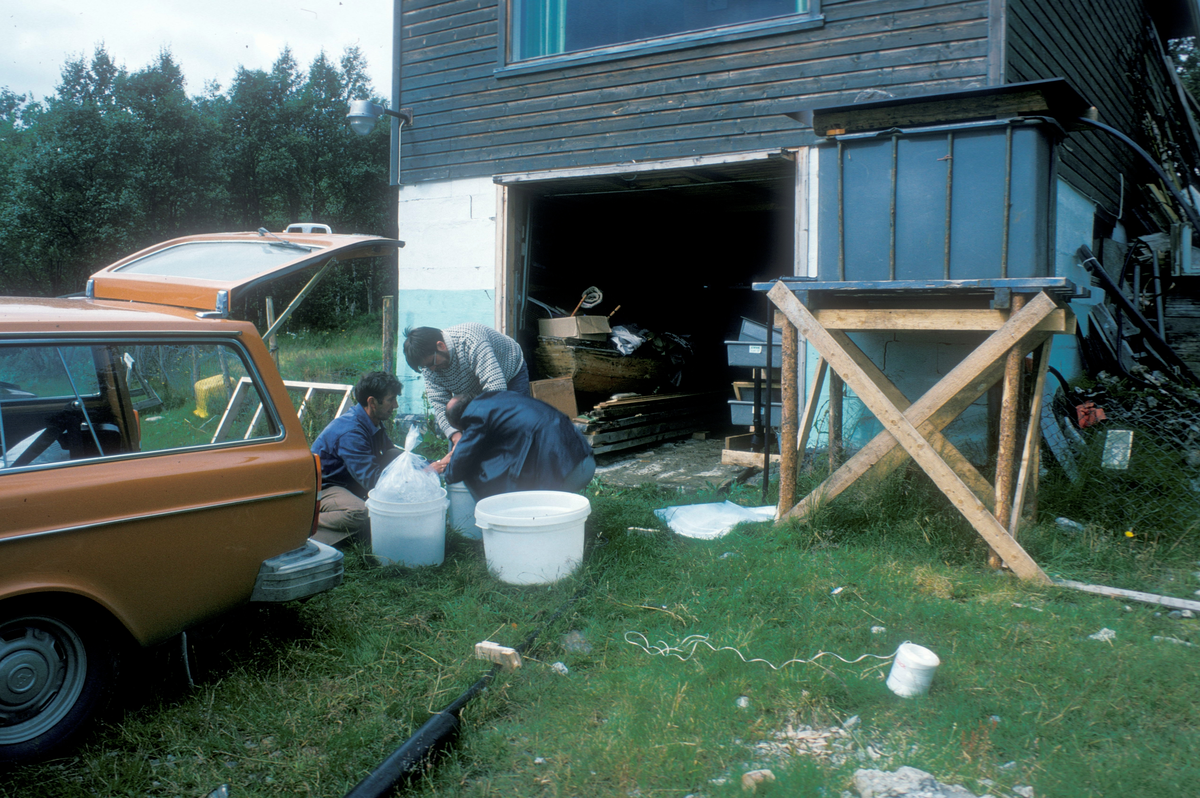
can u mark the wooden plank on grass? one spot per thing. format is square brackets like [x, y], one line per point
[745, 458]
[1132, 595]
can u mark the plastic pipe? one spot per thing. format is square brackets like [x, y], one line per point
[440, 731]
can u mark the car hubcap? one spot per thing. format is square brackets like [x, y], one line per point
[42, 671]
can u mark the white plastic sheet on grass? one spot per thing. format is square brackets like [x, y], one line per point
[711, 521]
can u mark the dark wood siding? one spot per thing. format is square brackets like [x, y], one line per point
[706, 99]
[1112, 58]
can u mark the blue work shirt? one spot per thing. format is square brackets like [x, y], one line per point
[353, 451]
[511, 442]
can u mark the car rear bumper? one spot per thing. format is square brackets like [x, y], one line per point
[306, 571]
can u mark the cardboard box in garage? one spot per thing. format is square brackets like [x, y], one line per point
[589, 328]
[557, 392]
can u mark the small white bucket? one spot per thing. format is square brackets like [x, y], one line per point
[912, 670]
[462, 512]
[409, 533]
[533, 537]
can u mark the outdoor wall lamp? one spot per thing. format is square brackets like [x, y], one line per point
[362, 117]
[363, 114]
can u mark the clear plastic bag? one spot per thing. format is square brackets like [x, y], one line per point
[407, 479]
[626, 337]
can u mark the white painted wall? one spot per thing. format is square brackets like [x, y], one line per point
[449, 230]
[447, 267]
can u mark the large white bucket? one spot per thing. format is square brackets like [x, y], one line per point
[409, 533]
[912, 670]
[462, 512]
[533, 537]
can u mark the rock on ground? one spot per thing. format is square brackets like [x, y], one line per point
[905, 782]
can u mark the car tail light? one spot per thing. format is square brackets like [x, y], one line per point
[317, 501]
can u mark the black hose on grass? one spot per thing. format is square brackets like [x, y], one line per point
[439, 732]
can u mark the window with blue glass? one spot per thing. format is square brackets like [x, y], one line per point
[555, 27]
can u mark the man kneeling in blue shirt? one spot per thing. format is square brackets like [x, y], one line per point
[354, 449]
[511, 442]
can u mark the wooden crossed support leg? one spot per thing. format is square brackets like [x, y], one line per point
[914, 430]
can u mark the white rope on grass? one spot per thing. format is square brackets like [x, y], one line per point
[690, 643]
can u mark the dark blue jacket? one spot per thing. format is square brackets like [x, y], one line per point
[511, 442]
[353, 451]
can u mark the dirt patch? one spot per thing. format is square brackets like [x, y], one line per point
[690, 465]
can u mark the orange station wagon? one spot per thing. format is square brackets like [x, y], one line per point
[153, 471]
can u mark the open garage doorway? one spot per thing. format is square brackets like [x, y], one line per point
[673, 253]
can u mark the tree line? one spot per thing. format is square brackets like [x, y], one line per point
[115, 161]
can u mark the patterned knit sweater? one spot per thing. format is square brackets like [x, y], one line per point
[481, 359]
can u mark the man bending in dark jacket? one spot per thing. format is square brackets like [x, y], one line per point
[512, 442]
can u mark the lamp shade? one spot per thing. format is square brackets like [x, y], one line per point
[362, 116]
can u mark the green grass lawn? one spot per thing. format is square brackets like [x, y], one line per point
[307, 698]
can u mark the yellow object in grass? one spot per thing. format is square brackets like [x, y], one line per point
[211, 395]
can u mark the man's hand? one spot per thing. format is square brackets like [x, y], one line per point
[439, 466]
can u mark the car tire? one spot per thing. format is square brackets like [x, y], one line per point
[57, 670]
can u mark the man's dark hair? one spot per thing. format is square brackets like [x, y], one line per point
[378, 384]
[455, 409]
[419, 344]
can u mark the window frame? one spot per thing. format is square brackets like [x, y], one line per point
[507, 67]
[234, 344]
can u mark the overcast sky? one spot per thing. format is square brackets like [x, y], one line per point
[209, 39]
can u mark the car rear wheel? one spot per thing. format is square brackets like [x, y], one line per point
[55, 670]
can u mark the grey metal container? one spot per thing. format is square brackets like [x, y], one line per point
[756, 331]
[741, 413]
[954, 202]
[753, 353]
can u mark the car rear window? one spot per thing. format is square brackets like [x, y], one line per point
[227, 261]
[74, 401]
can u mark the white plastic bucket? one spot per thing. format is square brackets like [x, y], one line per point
[912, 670]
[462, 512]
[533, 537]
[409, 533]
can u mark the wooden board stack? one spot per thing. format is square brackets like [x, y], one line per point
[644, 419]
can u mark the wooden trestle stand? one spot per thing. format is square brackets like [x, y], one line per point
[1022, 315]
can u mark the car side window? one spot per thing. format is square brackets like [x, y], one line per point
[80, 401]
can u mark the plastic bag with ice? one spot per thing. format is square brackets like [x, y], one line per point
[406, 479]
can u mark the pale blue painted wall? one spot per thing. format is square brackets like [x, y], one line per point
[441, 309]
[1075, 221]
[914, 361]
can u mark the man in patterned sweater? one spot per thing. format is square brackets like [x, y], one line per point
[466, 360]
